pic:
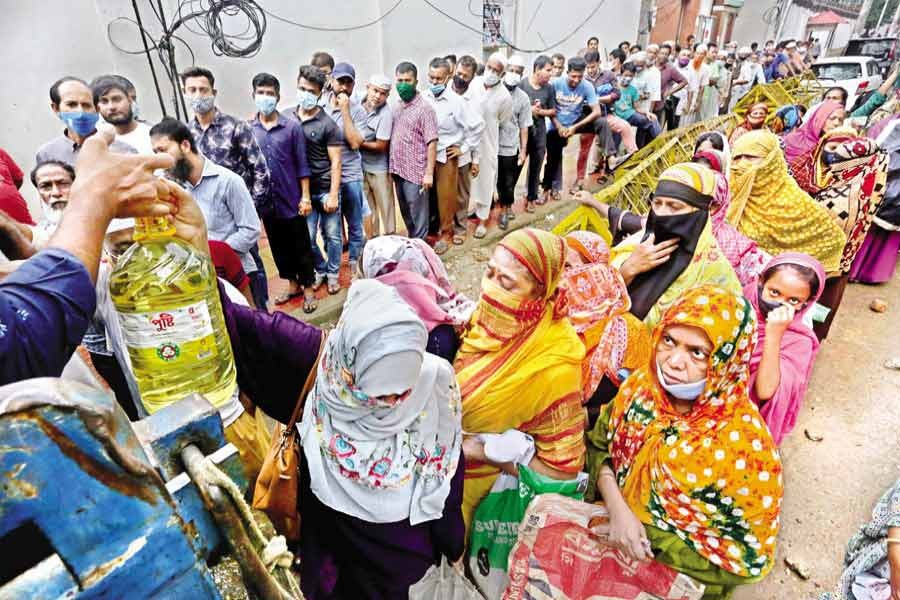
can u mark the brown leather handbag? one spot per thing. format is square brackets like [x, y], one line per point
[276, 487]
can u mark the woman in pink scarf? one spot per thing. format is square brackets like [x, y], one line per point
[412, 268]
[800, 144]
[786, 347]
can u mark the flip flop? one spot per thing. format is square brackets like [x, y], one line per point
[334, 287]
[529, 207]
[310, 304]
[286, 297]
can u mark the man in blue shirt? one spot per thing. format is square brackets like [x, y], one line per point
[625, 108]
[47, 303]
[284, 146]
[572, 92]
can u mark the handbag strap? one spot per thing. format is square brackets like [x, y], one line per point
[307, 385]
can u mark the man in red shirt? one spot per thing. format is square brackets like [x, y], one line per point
[11, 201]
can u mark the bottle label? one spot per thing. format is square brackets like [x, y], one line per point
[169, 336]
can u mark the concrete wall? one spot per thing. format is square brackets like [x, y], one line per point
[749, 26]
[48, 39]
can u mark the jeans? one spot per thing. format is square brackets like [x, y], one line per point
[352, 206]
[259, 284]
[330, 225]
[647, 128]
[555, 146]
[537, 149]
[413, 207]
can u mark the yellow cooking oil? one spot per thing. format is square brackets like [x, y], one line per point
[166, 296]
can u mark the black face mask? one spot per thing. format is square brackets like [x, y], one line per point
[460, 83]
[686, 228]
[765, 306]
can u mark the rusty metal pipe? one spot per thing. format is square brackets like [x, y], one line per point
[230, 523]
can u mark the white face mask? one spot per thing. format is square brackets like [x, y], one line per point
[682, 391]
[512, 79]
[491, 78]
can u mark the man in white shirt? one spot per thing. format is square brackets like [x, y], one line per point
[749, 74]
[468, 161]
[459, 131]
[496, 106]
[116, 105]
[648, 81]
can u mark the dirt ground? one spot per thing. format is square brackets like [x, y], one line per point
[853, 404]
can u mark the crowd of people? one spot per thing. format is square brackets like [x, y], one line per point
[669, 365]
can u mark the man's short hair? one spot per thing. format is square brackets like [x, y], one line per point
[104, 84]
[619, 55]
[468, 62]
[407, 67]
[322, 59]
[55, 163]
[313, 75]
[198, 72]
[54, 89]
[439, 63]
[451, 58]
[593, 38]
[591, 56]
[541, 61]
[267, 80]
[666, 45]
[558, 56]
[175, 130]
[628, 67]
[577, 64]
[635, 48]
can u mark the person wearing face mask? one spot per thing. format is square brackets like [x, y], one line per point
[671, 82]
[698, 78]
[496, 106]
[681, 458]
[676, 249]
[229, 142]
[786, 346]
[628, 108]
[543, 101]
[284, 147]
[460, 127]
[513, 141]
[464, 74]
[749, 74]
[710, 100]
[414, 141]
[72, 101]
[647, 80]
[681, 97]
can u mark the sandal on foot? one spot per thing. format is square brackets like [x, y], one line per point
[286, 297]
[334, 287]
[480, 231]
[529, 207]
[310, 304]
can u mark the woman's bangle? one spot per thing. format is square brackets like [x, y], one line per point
[891, 540]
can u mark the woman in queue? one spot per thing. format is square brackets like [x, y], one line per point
[769, 207]
[412, 268]
[677, 250]
[519, 365]
[801, 143]
[381, 475]
[681, 457]
[614, 339]
[755, 119]
[786, 347]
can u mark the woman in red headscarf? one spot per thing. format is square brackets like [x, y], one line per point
[755, 119]
[800, 144]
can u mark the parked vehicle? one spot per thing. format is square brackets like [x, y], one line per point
[882, 49]
[856, 74]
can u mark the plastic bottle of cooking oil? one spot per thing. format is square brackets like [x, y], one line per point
[166, 295]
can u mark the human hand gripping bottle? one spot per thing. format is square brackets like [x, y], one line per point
[166, 295]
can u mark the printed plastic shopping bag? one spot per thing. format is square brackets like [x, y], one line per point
[444, 583]
[561, 555]
[495, 526]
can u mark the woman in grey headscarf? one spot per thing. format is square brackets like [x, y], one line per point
[381, 479]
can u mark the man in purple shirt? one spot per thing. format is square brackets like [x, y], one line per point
[671, 82]
[284, 146]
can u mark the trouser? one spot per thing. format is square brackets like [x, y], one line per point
[537, 149]
[291, 248]
[413, 207]
[585, 143]
[109, 369]
[446, 192]
[555, 146]
[380, 194]
[507, 175]
[670, 108]
[661, 117]
[621, 128]
[352, 209]
[330, 226]
[463, 193]
[259, 283]
[647, 128]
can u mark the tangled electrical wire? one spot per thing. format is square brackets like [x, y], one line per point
[209, 17]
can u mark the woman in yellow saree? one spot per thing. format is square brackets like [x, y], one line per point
[519, 365]
[770, 208]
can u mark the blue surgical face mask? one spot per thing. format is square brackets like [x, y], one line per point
[306, 100]
[829, 158]
[81, 123]
[265, 104]
[438, 88]
[682, 391]
[202, 104]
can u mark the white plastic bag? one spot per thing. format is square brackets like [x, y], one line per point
[444, 583]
